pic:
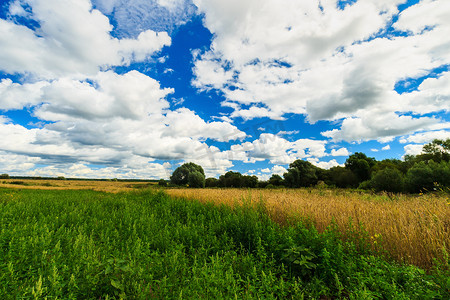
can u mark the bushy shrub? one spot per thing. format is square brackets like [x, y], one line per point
[425, 176]
[342, 177]
[211, 182]
[389, 180]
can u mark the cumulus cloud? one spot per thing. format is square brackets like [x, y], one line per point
[108, 119]
[426, 137]
[328, 63]
[340, 152]
[413, 149]
[62, 45]
[381, 127]
[135, 16]
[279, 170]
[324, 164]
[277, 150]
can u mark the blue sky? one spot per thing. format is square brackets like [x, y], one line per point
[132, 89]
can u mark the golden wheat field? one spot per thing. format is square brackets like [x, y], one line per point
[413, 229]
[95, 185]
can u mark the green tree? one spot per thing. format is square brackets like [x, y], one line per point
[388, 179]
[427, 176]
[360, 165]
[182, 175]
[4, 176]
[231, 179]
[341, 177]
[391, 164]
[162, 182]
[437, 150]
[249, 181]
[196, 179]
[276, 180]
[211, 182]
[301, 173]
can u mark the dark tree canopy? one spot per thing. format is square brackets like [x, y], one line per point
[196, 180]
[276, 180]
[301, 173]
[230, 179]
[360, 165]
[342, 177]
[188, 174]
[388, 180]
[211, 182]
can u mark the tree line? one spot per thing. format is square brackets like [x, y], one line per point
[425, 172]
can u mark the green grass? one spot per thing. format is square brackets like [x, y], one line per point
[146, 245]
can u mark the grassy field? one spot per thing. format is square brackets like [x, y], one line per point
[110, 186]
[66, 244]
[414, 229]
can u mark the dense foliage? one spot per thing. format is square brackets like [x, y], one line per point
[189, 174]
[145, 245]
[428, 171]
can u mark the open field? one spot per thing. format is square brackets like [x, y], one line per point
[95, 185]
[67, 244]
[415, 229]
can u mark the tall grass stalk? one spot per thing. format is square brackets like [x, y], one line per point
[413, 229]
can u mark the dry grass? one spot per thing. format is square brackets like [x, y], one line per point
[414, 229]
[103, 186]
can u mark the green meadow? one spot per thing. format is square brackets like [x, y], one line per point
[72, 244]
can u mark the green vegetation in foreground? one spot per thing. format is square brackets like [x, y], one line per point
[145, 245]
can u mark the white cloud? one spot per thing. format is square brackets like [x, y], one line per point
[413, 149]
[340, 152]
[378, 126]
[385, 148]
[324, 164]
[277, 150]
[17, 96]
[327, 63]
[279, 170]
[426, 137]
[110, 119]
[135, 16]
[73, 39]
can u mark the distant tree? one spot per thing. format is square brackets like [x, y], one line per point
[341, 177]
[196, 180]
[388, 179]
[162, 182]
[262, 184]
[427, 176]
[420, 178]
[4, 176]
[231, 179]
[276, 180]
[301, 173]
[211, 182]
[437, 150]
[249, 181]
[188, 174]
[391, 164]
[360, 165]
